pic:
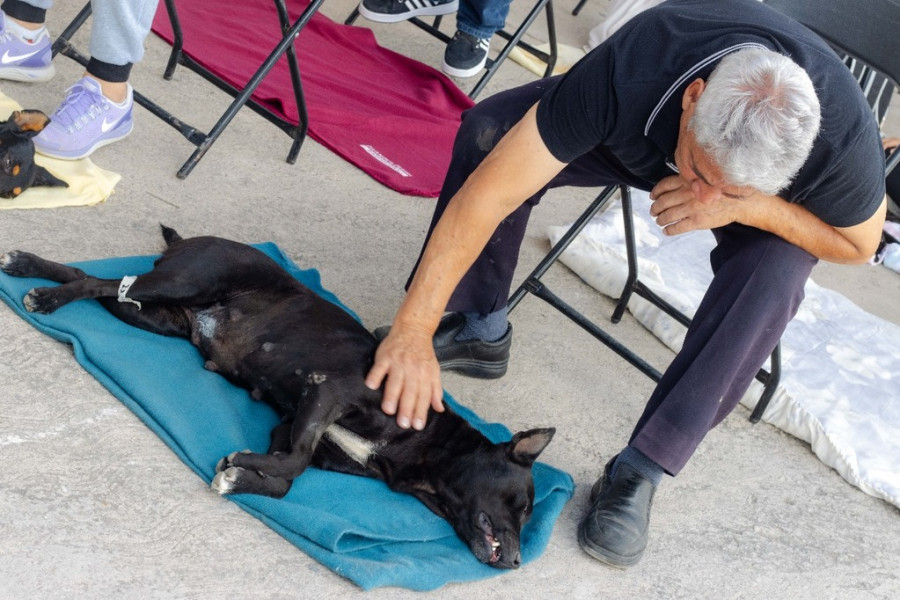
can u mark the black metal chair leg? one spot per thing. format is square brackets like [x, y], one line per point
[631, 256]
[595, 207]
[299, 134]
[772, 379]
[551, 40]
[177, 40]
[61, 42]
[515, 40]
[249, 88]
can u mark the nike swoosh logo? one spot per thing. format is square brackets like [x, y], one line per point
[11, 58]
[107, 125]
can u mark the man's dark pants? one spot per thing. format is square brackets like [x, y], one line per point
[756, 289]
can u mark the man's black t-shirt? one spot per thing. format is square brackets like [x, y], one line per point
[626, 96]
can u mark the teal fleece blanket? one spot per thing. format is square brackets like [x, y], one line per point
[353, 525]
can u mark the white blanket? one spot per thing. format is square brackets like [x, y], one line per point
[840, 389]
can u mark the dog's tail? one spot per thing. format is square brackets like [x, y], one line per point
[170, 235]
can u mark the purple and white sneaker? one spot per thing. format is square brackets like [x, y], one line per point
[21, 60]
[85, 121]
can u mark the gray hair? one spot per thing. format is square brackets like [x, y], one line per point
[757, 118]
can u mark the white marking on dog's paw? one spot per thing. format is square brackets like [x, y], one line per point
[233, 454]
[6, 259]
[29, 302]
[223, 482]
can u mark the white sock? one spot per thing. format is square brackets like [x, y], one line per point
[23, 33]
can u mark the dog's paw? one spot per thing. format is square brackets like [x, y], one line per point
[41, 300]
[226, 480]
[227, 462]
[235, 480]
[6, 260]
[15, 263]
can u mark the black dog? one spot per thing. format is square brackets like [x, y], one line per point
[259, 327]
[18, 171]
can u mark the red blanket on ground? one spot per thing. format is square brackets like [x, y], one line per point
[393, 117]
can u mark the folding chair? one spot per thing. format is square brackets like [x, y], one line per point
[866, 33]
[513, 39]
[203, 141]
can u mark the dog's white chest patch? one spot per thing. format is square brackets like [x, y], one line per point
[357, 447]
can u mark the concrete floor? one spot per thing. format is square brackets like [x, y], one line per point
[94, 505]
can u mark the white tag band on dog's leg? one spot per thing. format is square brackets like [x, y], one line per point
[124, 286]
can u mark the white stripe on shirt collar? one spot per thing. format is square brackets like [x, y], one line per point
[693, 71]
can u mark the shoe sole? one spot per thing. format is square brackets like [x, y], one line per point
[28, 75]
[89, 151]
[425, 11]
[475, 368]
[462, 73]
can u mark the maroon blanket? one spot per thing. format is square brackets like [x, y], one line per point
[393, 117]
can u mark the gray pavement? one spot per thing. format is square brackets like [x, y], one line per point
[94, 505]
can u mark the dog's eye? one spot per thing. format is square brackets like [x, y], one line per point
[6, 164]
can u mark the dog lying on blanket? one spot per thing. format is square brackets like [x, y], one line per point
[259, 327]
[18, 171]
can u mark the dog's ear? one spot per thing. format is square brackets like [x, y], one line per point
[28, 123]
[525, 446]
[43, 177]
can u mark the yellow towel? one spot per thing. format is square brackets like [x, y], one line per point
[88, 183]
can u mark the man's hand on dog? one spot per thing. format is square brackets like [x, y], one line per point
[406, 358]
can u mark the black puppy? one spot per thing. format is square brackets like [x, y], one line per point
[258, 326]
[18, 171]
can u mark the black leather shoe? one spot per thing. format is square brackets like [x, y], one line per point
[474, 358]
[616, 529]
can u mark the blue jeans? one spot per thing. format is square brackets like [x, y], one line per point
[482, 18]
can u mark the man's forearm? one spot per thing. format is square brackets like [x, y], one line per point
[792, 222]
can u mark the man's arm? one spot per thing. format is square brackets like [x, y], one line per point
[845, 245]
[678, 210]
[516, 169]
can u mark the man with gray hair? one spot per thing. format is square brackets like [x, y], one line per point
[736, 119]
